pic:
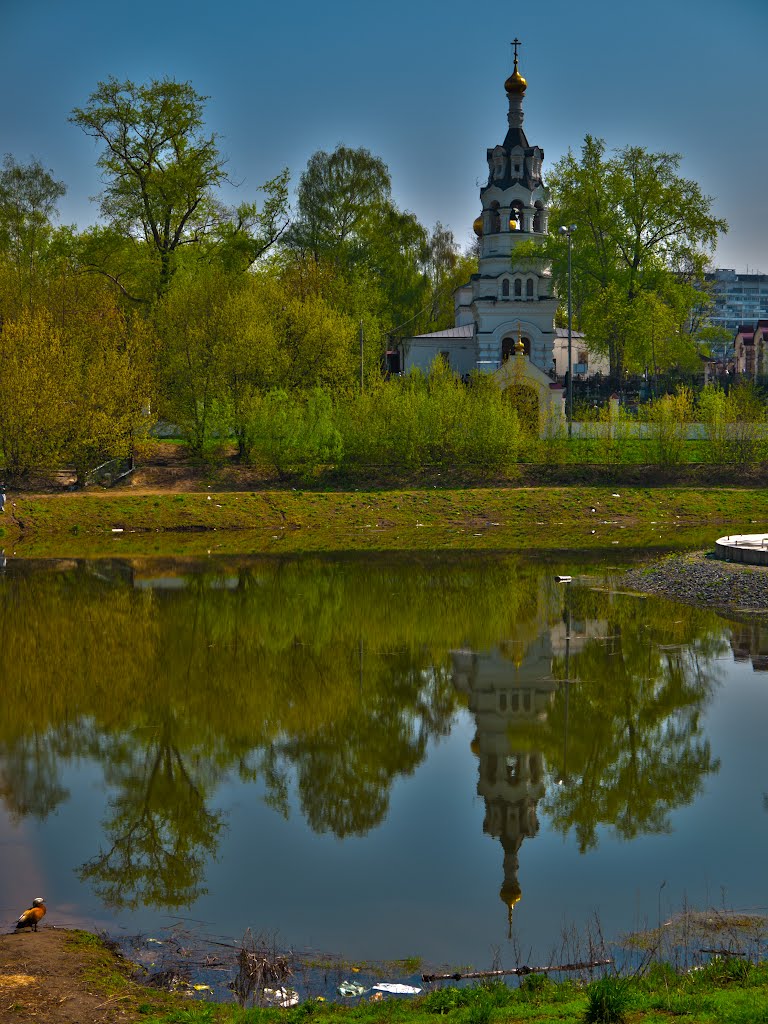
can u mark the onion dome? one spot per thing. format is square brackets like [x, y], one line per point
[515, 84]
[510, 893]
[477, 226]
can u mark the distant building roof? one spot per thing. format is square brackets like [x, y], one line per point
[562, 332]
[467, 331]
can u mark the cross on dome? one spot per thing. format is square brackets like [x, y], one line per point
[515, 84]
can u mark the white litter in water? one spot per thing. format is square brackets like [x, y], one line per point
[396, 989]
[281, 996]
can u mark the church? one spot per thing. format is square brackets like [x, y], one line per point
[504, 310]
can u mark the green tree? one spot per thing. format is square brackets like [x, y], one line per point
[111, 365]
[194, 331]
[714, 339]
[76, 380]
[34, 384]
[340, 199]
[388, 270]
[446, 268]
[161, 170]
[641, 229]
[28, 197]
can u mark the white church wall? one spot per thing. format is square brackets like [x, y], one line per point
[421, 354]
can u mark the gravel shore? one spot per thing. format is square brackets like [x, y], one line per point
[700, 579]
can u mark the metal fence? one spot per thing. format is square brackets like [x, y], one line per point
[637, 390]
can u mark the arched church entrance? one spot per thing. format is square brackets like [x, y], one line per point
[508, 346]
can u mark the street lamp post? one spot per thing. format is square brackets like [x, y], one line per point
[568, 232]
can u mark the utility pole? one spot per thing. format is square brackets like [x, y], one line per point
[568, 232]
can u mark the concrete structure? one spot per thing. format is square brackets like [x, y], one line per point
[738, 298]
[503, 303]
[749, 548]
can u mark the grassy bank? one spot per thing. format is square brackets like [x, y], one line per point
[64, 977]
[557, 518]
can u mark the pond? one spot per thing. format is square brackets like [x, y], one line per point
[452, 757]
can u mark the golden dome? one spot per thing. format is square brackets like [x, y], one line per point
[477, 226]
[513, 225]
[515, 84]
[510, 893]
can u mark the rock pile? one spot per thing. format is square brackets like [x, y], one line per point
[700, 579]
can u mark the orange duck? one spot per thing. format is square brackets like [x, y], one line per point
[31, 918]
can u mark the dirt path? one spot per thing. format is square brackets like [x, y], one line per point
[48, 978]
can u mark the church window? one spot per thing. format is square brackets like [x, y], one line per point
[494, 218]
[518, 288]
[505, 288]
[529, 288]
[502, 701]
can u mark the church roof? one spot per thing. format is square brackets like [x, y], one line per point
[466, 331]
[516, 137]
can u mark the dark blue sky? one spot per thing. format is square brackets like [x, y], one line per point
[418, 82]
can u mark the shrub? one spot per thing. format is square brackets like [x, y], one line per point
[734, 424]
[607, 1001]
[668, 420]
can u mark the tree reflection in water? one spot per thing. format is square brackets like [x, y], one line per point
[160, 831]
[338, 674]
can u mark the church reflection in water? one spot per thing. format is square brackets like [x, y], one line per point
[507, 689]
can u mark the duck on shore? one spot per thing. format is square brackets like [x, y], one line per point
[31, 918]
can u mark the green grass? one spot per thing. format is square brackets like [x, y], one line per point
[606, 1001]
[556, 518]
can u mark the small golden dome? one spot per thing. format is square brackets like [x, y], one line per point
[477, 226]
[513, 225]
[515, 84]
[510, 893]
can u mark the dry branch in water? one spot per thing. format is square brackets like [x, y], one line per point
[518, 970]
[257, 968]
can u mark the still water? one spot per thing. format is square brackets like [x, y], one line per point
[379, 757]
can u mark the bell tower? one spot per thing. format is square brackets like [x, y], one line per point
[506, 300]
